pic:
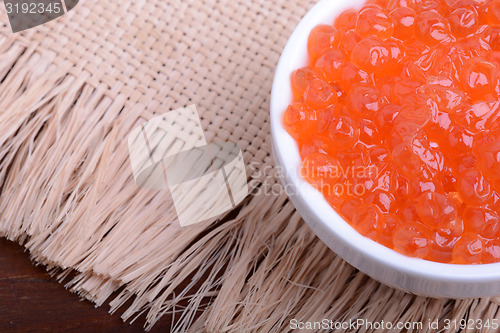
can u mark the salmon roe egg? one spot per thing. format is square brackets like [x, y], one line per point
[432, 28]
[413, 239]
[404, 22]
[376, 56]
[479, 78]
[493, 12]
[397, 118]
[346, 20]
[343, 132]
[464, 21]
[321, 39]
[329, 64]
[320, 170]
[486, 148]
[301, 78]
[468, 249]
[373, 21]
[366, 219]
[319, 94]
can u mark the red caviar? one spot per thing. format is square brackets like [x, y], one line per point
[397, 118]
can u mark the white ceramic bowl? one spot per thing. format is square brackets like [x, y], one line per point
[383, 264]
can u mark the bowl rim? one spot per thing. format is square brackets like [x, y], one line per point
[286, 153]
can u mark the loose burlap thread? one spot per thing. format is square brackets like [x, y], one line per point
[73, 89]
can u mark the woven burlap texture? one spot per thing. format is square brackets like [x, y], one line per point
[73, 89]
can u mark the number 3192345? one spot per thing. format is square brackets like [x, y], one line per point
[473, 324]
[33, 8]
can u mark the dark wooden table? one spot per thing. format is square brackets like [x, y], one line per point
[30, 300]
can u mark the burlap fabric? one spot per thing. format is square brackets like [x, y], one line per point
[70, 93]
